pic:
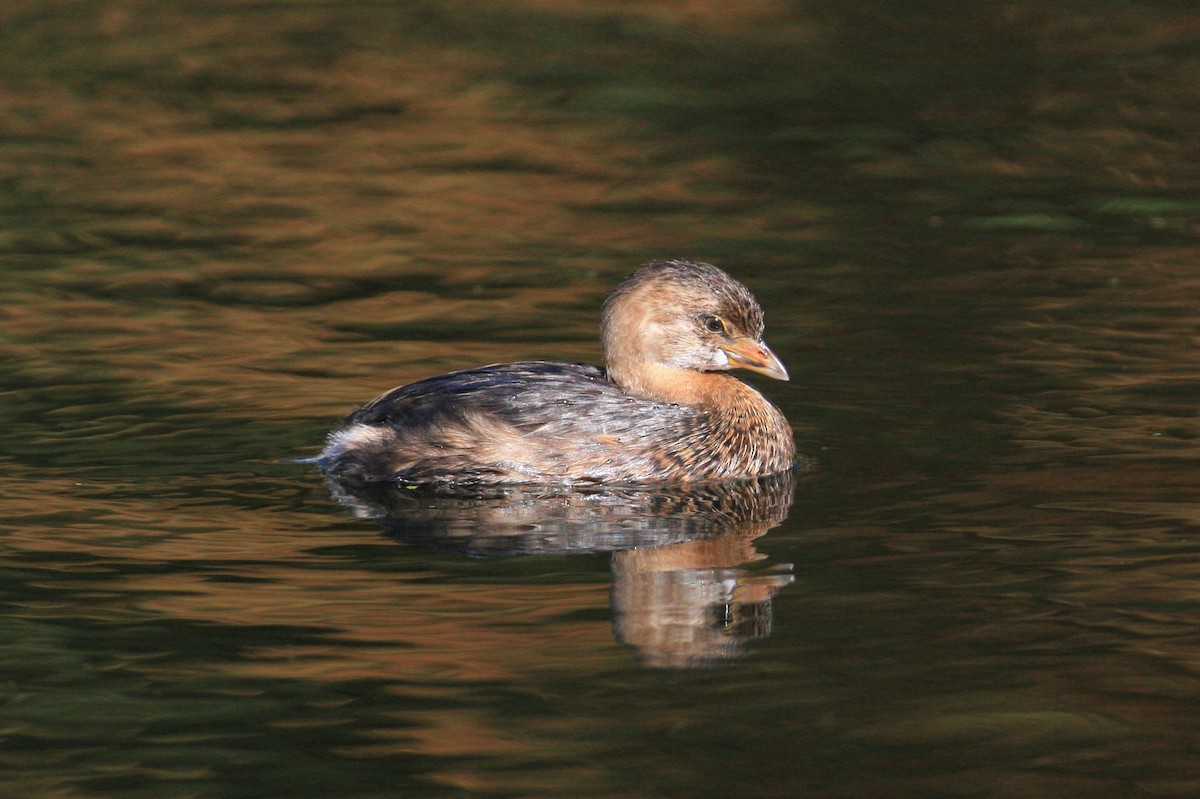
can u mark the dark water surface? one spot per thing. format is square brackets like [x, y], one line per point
[222, 225]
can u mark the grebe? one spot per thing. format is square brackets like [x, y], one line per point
[664, 409]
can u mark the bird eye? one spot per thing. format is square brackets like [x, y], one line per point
[714, 324]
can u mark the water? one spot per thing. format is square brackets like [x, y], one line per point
[224, 225]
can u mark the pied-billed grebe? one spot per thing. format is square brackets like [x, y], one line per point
[664, 409]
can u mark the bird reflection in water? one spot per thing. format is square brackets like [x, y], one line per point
[682, 593]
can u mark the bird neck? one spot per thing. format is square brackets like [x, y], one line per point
[710, 390]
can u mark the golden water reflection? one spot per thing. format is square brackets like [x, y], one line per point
[224, 225]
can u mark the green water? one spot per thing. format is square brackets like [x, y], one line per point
[224, 225]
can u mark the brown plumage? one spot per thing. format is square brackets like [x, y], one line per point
[664, 409]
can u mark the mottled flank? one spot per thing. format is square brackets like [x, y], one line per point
[665, 410]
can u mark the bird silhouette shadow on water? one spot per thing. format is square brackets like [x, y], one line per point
[681, 595]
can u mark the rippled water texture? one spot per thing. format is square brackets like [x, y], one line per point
[223, 225]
